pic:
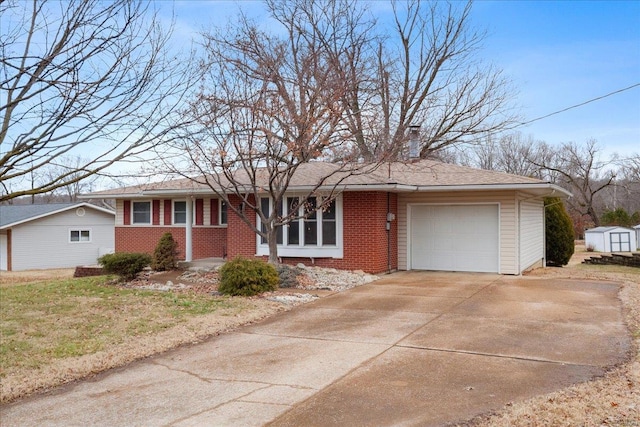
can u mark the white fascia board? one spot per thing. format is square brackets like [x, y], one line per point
[44, 215]
[545, 189]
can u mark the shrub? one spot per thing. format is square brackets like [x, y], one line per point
[165, 254]
[125, 264]
[559, 232]
[246, 277]
[288, 276]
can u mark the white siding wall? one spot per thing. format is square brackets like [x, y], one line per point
[531, 237]
[3, 250]
[44, 243]
[508, 221]
[120, 212]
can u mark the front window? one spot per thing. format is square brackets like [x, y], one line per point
[179, 212]
[142, 212]
[77, 236]
[316, 231]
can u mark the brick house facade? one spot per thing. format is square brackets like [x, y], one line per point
[421, 215]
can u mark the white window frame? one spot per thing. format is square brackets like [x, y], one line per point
[80, 231]
[173, 212]
[220, 204]
[133, 216]
[307, 251]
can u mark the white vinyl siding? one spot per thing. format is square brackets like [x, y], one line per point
[44, 243]
[120, 212]
[531, 234]
[3, 251]
[507, 219]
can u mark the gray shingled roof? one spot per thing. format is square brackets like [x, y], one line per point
[11, 214]
[421, 174]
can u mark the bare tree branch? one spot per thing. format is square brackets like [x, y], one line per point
[81, 77]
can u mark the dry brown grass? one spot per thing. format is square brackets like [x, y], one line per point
[614, 399]
[59, 330]
[10, 278]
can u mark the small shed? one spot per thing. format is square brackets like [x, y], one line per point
[637, 229]
[610, 239]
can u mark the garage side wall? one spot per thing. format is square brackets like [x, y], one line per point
[508, 221]
[531, 234]
[44, 243]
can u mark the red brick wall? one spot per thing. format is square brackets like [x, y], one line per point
[207, 242]
[241, 238]
[365, 236]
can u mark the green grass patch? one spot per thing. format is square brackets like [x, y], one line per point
[65, 318]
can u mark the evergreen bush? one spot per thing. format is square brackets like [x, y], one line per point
[559, 243]
[166, 253]
[245, 277]
[125, 264]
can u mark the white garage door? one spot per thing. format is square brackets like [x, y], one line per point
[454, 237]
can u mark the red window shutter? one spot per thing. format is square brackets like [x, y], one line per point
[156, 212]
[126, 212]
[214, 211]
[167, 212]
[199, 211]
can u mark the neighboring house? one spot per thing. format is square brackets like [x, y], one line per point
[610, 239]
[54, 235]
[637, 230]
[424, 215]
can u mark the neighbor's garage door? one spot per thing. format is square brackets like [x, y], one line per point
[454, 237]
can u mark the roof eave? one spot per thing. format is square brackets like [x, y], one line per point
[57, 211]
[537, 189]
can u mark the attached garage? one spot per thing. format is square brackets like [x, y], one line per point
[455, 237]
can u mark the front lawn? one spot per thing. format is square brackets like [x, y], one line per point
[63, 329]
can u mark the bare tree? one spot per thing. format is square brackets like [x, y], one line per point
[424, 71]
[70, 166]
[271, 102]
[580, 170]
[81, 77]
[626, 193]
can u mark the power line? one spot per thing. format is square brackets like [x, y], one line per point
[577, 105]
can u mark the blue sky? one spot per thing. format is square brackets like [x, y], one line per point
[557, 54]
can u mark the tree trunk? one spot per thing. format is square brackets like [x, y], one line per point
[272, 240]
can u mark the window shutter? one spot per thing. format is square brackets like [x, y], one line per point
[156, 212]
[214, 212]
[167, 212]
[126, 214]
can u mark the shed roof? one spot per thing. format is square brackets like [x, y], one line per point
[603, 229]
[11, 215]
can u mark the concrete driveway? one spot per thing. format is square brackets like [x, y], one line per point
[414, 348]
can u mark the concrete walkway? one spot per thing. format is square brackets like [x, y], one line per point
[413, 348]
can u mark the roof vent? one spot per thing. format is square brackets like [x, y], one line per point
[414, 141]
